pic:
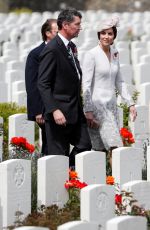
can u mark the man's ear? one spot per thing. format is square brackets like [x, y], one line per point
[65, 25]
[48, 33]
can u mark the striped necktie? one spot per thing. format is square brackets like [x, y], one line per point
[72, 57]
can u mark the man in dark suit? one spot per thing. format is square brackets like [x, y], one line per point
[60, 87]
[35, 107]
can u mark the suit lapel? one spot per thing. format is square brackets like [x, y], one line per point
[65, 52]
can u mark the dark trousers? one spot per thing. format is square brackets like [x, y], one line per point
[60, 137]
[44, 149]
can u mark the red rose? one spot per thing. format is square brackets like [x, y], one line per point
[118, 199]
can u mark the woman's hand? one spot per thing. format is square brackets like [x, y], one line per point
[92, 123]
[133, 112]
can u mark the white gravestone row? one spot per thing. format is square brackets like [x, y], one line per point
[97, 200]
[19, 126]
[1, 139]
[15, 189]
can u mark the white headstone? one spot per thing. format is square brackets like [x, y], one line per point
[140, 128]
[20, 98]
[19, 126]
[97, 204]
[127, 223]
[14, 65]
[137, 30]
[123, 169]
[0, 215]
[52, 175]
[141, 73]
[145, 59]
[3, 92]
[12, 76]
[1, 138]
[91, 167]
[141, 192]
[18, 86]
[15, 189]
[144, 97]
[2, 68]
[136, 54]
[137, 44]
[148, 163]
[124, 56]
[122, 44]
[78, 225]
[127, 73]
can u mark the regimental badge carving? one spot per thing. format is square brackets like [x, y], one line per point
[102, 203]
[19, 175]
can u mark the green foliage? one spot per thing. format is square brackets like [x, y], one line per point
[125, 114]
[6, 110]
[22, 10]
[126, 108]
[135, 96]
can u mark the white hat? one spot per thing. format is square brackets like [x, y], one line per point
[108, 23]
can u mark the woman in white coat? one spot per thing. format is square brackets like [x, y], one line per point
[101, 79]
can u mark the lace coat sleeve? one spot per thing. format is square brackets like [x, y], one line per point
[88, 74]
[122, 88]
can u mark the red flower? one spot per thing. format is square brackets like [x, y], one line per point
[73, 174]
[118, 199]
[74, 182]
[110, 180]
[69, 184]
[29, 147]
[22, 143]
[15, 141]
[127, 136]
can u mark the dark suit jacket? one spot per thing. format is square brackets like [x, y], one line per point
[34, 102]
[59, 83]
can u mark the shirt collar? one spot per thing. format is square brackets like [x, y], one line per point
[65, 41]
